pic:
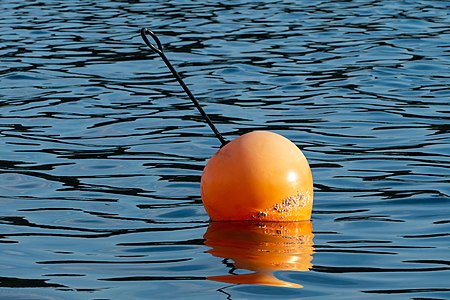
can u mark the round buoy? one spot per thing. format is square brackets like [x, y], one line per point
[258, 176]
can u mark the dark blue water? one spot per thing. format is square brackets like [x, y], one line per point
[101, 153]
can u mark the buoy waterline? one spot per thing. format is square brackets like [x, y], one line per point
[260, 175]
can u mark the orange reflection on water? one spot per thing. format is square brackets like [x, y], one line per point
[262, 248]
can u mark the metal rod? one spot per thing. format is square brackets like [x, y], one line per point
[159, 49]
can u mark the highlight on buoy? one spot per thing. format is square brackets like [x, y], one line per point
[260, 175]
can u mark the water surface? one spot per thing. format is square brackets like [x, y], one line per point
[101, 153]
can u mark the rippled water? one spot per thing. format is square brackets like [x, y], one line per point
[101, 152]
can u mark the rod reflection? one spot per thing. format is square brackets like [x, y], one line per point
[262, 248]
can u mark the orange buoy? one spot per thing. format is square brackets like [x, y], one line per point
[261, 248]
[258, 176]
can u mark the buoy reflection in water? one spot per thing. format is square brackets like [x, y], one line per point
[262, 248]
